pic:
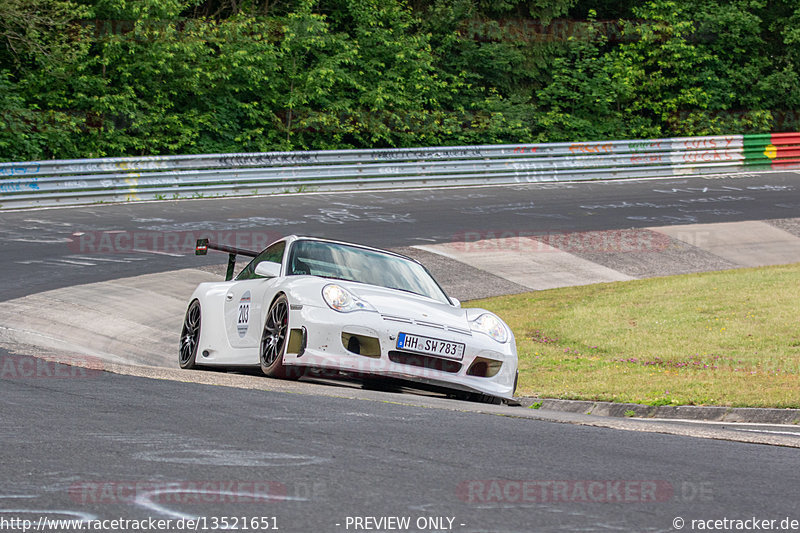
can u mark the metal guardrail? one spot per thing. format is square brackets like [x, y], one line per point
[84, 181]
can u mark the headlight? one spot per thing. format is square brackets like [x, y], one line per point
[490, 325]
[340, 299]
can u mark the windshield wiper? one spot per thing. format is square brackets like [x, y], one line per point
[335, 277]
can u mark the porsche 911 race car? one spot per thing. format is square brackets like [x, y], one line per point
[345, 309]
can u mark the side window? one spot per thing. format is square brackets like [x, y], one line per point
[273, 253]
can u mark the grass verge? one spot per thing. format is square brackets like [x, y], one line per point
[720, 338]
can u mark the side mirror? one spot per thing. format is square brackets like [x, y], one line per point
[268, 269]
[455, 301]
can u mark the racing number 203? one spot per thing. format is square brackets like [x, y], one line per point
[243, 319]
[244, 313]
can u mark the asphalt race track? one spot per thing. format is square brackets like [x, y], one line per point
[39, 250]
[85, 444]
[111, 446]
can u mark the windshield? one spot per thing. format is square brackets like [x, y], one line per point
[351, 263]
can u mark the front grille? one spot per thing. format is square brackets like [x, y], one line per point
[424, 361]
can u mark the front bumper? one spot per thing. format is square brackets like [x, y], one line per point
[487, 367]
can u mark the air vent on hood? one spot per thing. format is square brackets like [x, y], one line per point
[393, 318]
[429, 324]
[423, 323]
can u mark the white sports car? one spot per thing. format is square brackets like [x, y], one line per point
[340, 308]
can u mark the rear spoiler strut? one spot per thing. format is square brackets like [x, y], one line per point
[203, 246]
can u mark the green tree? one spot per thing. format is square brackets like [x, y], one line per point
[590, 94]
[83, 78]
[316, 85]
[41, 53]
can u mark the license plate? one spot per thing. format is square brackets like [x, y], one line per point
[429, 346]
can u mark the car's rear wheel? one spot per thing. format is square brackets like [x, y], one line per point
[274, 339]
[190, 336]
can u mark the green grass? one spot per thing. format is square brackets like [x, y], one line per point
[720, 338]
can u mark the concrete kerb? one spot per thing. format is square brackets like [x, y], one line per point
[706, 413]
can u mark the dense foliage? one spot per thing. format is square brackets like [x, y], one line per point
[90, 78]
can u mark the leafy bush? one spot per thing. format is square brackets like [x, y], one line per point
[89, 78]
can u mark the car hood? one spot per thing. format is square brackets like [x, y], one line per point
[394, 303]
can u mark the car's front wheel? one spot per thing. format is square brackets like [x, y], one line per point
[274, 339]
[190, 336]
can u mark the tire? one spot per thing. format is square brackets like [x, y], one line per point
[190, 336]
[274, 338]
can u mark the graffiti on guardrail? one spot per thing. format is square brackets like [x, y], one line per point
[249, 160]
[708, 156]
[19, 170]
[442, 153]
[173, 177]
[72, 184]
[644, 146]
[711, 143]
[19, 186]
[148, 164]
[643, 159]
[591, 148]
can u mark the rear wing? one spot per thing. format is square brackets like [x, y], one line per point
[203, 246]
